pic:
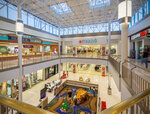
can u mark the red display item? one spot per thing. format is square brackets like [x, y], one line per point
[64, 76]
[144, 33]
[103, 73]
[103, 105]
[74, 71]
[103, 48]
[74, 66]
[80, 41]
[103, 68]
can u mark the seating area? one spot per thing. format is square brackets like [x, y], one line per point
[86, 79]
[50, 86]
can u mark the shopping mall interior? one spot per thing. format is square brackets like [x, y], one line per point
[75, 56]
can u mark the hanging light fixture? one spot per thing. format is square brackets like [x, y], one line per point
[125, 11]
[19, 27]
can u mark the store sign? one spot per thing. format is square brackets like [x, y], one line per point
[90, 41]
[143, 33]
[135, 36]
[27, 46]
[35, 41]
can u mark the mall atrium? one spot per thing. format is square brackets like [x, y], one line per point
[74, 56]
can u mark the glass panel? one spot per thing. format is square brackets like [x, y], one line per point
[47, 27]
[75, 31]
[70, 30]
[98, 3]
[85, 29]
[61, 31]
[61, 8]
[136, 17]
[65, 31]
[12, 12]
[80, 29]
[140, 13]
[37, 23]
[24, 16]
[51, 29]
[145, 9]
[43, 25]
[54, 30]
[30, 20]
[57, 33]
[3, 11]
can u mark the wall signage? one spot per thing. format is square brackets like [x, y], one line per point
[135, 36]
[28, 46]
[143, 33]
[89, 41]
[35, 41]
[24, 39]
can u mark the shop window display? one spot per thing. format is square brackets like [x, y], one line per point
[84, 69]
[50, 71]
[9, 92]
[3, 88]
[26, 82]
[9, 89]
[69, 49]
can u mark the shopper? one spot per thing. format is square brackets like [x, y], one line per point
[90, 90]
[145, 58]
[94, 91]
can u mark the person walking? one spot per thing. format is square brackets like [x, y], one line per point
[145, 58]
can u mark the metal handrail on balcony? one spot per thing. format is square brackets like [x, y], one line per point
[131, 105]
[18, 107]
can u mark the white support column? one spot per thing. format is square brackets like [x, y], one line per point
[124, 42]
[109, 53]
[20, 57]
[119, 47]
[59, 68]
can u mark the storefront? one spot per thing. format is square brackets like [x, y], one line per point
[91, 46]
[30, 46]
[138, 43]
[84, 69]
[32, 79]
[50, 71]
[96, 49]
[9, 89]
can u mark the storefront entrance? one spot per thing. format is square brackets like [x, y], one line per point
[50, 71]
[84, 69]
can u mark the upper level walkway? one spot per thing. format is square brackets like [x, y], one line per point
[7, 63]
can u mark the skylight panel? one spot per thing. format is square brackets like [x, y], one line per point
[98, 3]
[61, 8]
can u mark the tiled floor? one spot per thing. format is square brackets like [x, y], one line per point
[32, 96]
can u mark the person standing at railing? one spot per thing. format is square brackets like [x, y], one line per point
[145, 58]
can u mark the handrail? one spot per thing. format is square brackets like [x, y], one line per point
[126, 103]
[21, 107]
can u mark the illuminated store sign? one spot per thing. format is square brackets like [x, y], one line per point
[35, 41]
[90, 41]
[143, 33]
[135, 36]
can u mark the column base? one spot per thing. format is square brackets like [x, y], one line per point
[109, 91]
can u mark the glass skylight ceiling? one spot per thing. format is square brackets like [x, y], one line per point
[98, 3]
[61, 8]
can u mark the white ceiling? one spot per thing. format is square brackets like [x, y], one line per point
[81, 14]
